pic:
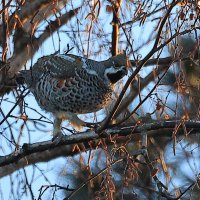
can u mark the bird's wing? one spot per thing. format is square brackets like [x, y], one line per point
[59, 66]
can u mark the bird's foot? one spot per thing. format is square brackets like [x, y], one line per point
[57, 137]
[100, 128]
[92, 125]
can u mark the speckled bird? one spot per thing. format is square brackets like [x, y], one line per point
[67, 85]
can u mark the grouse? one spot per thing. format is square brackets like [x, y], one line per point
[67, 85]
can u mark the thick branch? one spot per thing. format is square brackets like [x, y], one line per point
[32, 12]
[45, 151]
[16, 61]
[24, 13]
[19, 58]
[115, 24]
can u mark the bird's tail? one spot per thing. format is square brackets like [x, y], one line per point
[8, 83]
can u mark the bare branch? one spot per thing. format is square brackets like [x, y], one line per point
[16, 61]
[115, 24]
[26, 49]
[45, 151]
[153, 50]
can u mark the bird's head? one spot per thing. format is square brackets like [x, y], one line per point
[116, 68]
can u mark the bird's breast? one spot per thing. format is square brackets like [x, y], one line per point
[77, 94]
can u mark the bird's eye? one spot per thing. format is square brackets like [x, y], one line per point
[116, 66]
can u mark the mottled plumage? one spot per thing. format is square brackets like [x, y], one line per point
[67, 85]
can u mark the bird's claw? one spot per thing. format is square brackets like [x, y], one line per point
[92, 125]
[57, 138]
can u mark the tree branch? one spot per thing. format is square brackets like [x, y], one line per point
[115, 24]
[25, 12]
[16, 61]
[73, 144]
[31, 45]
[131, 78]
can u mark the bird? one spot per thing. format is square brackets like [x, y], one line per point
[67, 85]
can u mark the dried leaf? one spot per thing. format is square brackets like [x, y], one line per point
[167, 117]
[24, 117]
[154, 172]
[109, 9]
[182, 3]
[90, 16]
